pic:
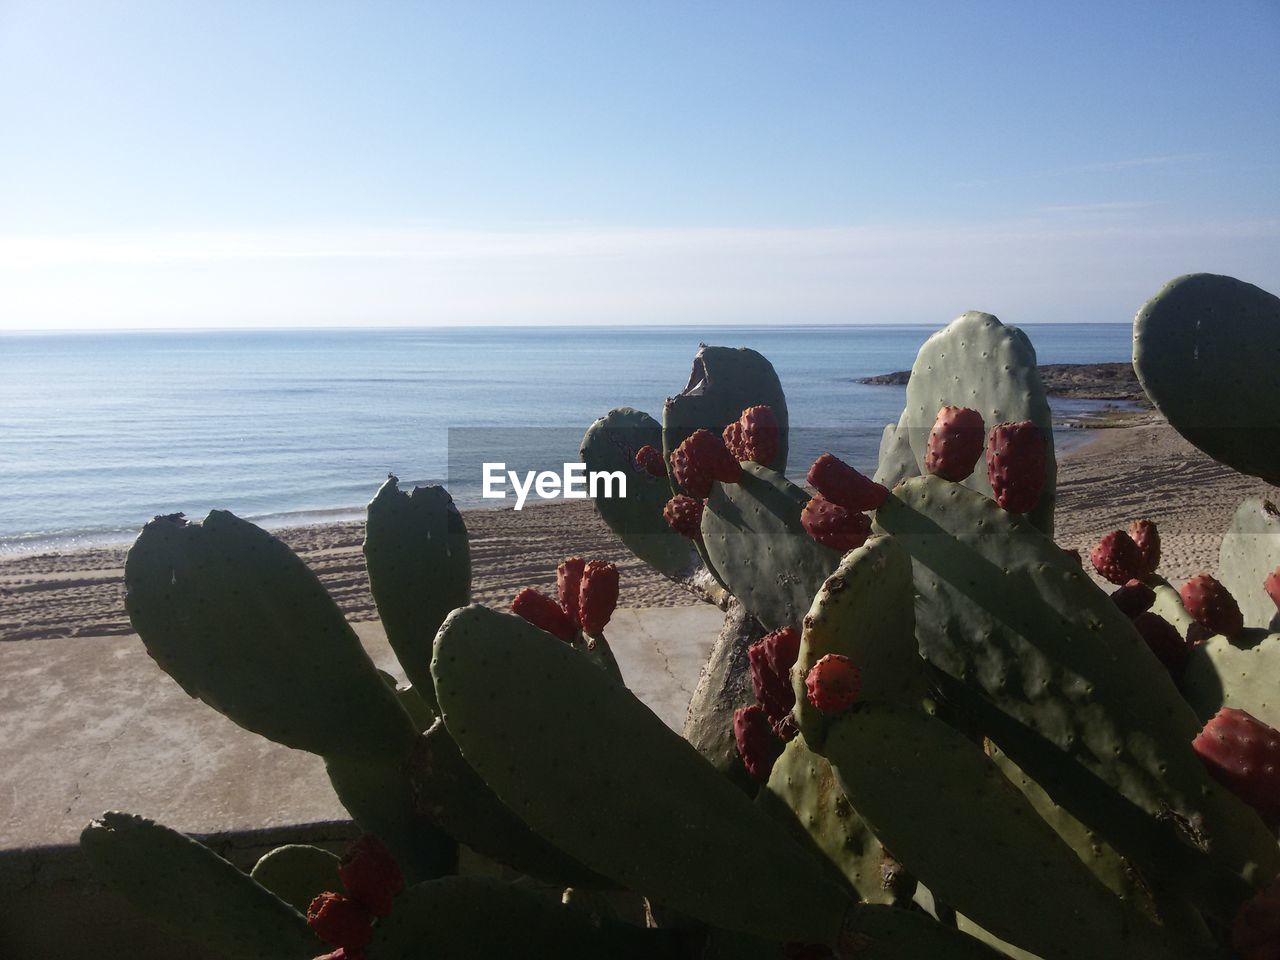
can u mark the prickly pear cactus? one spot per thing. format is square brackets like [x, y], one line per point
[451, 795]
[802, 791]
[1250, 552]
[751, 531]
[419, 562]
[974, 841]
[897, 461]
[1007, 614]
[604, 779]
[186, 886]
[1238, 672]
[297, 873]
[724, 382]
[610, 445]
[239, 621]
[864, 611]
[1206, 349]
[978, 362]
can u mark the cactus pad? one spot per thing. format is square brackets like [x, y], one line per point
[1004, 610]
[751, 531]
[724, 381]
[419, 560]
[864, 611]
[897, 462]
[1206, 349]
[239, 621]
[980, 363]
[1240, 672]
[605, 780]
[189, 888]
[803, 785]
[1250, 553]
[610, 444]
[298, 873]
[946, 811]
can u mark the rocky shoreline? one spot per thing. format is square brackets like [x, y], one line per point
[1079, 381]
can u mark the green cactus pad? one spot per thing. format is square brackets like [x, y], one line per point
[1242, 673]
[802, 792]
[978, 362]
[589, 767]
[610, 444]
[1094, 852]
[239, 621]
[298, 873]
[724, 382]
[419, 560]
[897, 462]
[187, 887]
[472, 918]
[1169, 605]
[1004, 611]
[1206, 349]
[1250, 553]
[949, 815]
[724, 685]
[378, 794]
[751, 531]
[453, 797]
[864, 611]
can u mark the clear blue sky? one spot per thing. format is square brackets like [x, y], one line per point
[277, 163]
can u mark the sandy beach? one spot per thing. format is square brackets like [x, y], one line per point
[1120, 474]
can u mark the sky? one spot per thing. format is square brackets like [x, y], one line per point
[271, 164]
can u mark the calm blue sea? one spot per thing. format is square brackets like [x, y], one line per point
[100, 432]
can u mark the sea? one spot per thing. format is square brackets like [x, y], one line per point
[99, 432]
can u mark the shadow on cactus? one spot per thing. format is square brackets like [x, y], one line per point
[923, 732]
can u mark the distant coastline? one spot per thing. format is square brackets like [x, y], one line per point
[1079, 381]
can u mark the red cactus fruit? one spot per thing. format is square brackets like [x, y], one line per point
[1117, 558]
[1255, 931]
[1133, 598]
[1272, 586]
[338, 920]
[544, 613]
[754, 435]
[1015, 465]
[371, 875]
[599, 597]
[833, 684]
[1243, 754]
[1212, 605]
[701, 459]
[955, 443]
[771, 660]
[757, 744]
[833, 526]
[649, 459]
[1165, 642]
[840, 483]
[1147, 537]
[684, 516]
[568, 584]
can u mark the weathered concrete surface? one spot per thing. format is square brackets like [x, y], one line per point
[88, 725]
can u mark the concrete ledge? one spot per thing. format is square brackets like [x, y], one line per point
[89, 725]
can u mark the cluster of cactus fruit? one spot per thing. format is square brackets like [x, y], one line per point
[909, 663]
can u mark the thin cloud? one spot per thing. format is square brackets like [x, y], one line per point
[1048, 268]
